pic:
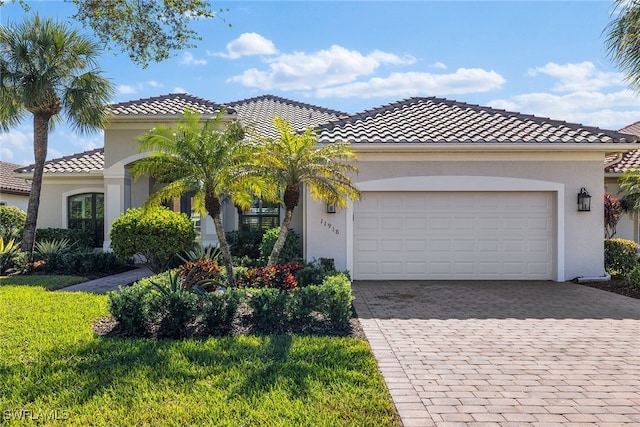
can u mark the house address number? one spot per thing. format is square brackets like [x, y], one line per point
[329, 226]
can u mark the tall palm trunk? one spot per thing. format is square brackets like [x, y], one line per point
[282, 238]
[40, 143]
[213, 207]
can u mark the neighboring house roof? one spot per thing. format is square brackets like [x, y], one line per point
[629, 160]
[9, 183]
[438, 120]
[87, 161]
[172, 104]
[260, 112]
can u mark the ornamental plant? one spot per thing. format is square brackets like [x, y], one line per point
[278, 276]
[205, 273]
[156, 233]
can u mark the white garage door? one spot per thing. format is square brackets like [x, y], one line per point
[458, 235]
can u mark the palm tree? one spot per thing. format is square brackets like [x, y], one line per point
[47, 69]
[623, 39]
[293, 160]
[206, 158]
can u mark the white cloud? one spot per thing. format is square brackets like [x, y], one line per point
[463, 80]
[578, 77]
[154, 83]
[302, 71]
[439, 65]
[246, 45]
[179, 89]
[79, 143]
[15, 144]
[189, 59]
[127, 90]
[607, 110]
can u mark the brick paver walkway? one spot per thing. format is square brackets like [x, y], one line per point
[110, 283]
[505, 353]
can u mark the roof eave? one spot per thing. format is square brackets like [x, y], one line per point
[27, 176]
[148, 118]
[491, 147]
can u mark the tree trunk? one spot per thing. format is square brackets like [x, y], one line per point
[282, 237]
[40, 142]
[213, 206]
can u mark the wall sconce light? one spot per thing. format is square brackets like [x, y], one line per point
[331, 208]
[584, 201]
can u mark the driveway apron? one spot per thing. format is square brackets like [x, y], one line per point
[504, 353]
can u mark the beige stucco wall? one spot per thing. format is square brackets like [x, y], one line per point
[54, 194]
[582, 231]
[18, 200]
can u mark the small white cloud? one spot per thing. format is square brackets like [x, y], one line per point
[607, 110]
[324, 68]
[438, 65]
[578, 77]
[179, 89]
[189, 59]
[246, 45]
[464, 80]
[154, 83]
[127, 90]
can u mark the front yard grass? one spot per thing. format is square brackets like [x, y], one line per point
[49, 282]
[54, 368]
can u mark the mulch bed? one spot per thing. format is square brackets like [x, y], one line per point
[616, 285]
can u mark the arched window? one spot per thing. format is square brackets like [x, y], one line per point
[86, 212]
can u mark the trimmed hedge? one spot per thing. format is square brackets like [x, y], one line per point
[620, 256]
[12, 220]
[79, 240]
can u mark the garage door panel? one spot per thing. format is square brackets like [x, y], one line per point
[454, 236]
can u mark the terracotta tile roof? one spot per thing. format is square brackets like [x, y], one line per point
[166, 105]
[10, 184]
[87, 161]
[628, 160]
[437, 120]
[261, 110]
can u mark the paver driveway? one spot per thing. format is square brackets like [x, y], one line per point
[504, 353]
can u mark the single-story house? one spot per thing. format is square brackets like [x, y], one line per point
[14, 191]
[450, 190]
[615, 165]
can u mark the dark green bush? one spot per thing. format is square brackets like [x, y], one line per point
[219, 309]
[314, 272]
[12, 220]
[245, 243]
[156, 233]
[633, 278]
[303, 303]
[79, 240]
[130, 307]
[269, 307]
[337, 298]
[291, 251]
[83, 263]
[171, 312]
[620, 256]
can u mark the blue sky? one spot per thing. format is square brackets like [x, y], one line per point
[536, 57]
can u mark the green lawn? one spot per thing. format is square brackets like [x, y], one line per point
[50, 282]
[53, 366]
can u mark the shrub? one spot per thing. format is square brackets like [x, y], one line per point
[245, 243]
[269, 309]
[83, 263]
[130, 308]
[620, 256]
[303, 303]
[219, 309]
[337, 298]
[48, 247]
[172, 308]
[204, 273]
[314, 272]
[156, 233]
[79, 240]
[199, 252]
[12, 220]
[279, 276]
[9, 251]
[290, 251]
[633, 278]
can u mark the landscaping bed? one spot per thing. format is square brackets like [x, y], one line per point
[616, 285]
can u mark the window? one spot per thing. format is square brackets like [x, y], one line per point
[86, 212]
[262, 216]
[185, 205]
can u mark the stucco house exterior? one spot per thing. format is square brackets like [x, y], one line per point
[451, 190]
[615, 166]
[13, 191]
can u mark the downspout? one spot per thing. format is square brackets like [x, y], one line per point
[614, 161]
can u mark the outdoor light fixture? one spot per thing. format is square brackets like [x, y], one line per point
[331, 208]
[584, 200]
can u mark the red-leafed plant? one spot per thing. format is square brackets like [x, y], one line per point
[612, 212]
[278, 276]
[202, 272]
